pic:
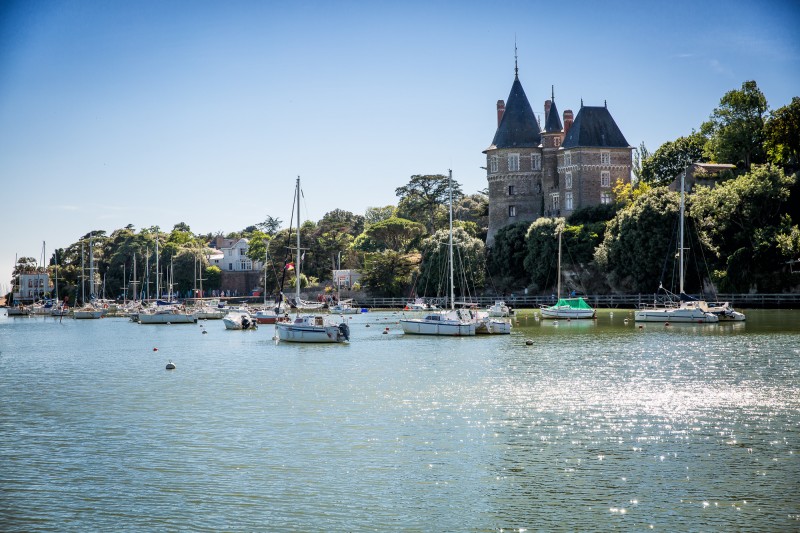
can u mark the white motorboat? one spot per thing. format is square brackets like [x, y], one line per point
[345, 307]
[167, 314]
[499, 309]
[239, 320]
[454, 322]
[313, 329]
[87, 312]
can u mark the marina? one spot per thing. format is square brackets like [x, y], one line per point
[596, 425]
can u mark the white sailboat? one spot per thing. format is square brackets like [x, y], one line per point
[567, 307]
[87, 309]
[313, 328]
[452, 322]
[686, 309]
[166, 313]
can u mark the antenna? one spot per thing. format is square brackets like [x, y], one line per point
[516, 69]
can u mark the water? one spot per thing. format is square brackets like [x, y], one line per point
[596, 426]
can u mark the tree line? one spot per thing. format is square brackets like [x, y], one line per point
[742, 232]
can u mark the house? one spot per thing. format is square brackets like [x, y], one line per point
[33, 286]
[551, 171]
[231, 255]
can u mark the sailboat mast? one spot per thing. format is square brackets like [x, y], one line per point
[558, 290]
[83, 276]
[680, 252]
[297, 266]
[91, 269]
[452, 283]
[158, 274]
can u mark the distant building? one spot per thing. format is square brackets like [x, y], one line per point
[231, 255]
[551, 171]
[33, 286]
[708, 174]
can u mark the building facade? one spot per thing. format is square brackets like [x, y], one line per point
[551, 171]
[231, 255]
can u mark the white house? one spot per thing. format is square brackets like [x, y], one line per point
[33, 286]
[231, 255]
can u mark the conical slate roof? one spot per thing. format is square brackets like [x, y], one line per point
[553, 123]
[518, 128]
[594, 127]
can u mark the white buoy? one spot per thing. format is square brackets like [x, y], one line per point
[170, 366]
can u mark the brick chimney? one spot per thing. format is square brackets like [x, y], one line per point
[568, 120]
[501, 108]
[547, 104]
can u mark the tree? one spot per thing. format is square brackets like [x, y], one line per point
[637, 241]
[423, 196]
[541, 255]
[671, 158]
[782, 136]
[744, 225]
[387, 273]
[373, 215]
[640, 155]
[395, 233]
[735, 129]
[505, 260]
[474, 208]
[270, 226]
[469, 265]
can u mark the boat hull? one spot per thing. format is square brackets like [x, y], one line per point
[493, 326]
[167, 318]
[567, 312]
[423, 327]
[307, 333]
[678, 315]
[79, 314]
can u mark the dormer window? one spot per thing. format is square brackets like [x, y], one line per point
[556, 142]
[605, 158]
[513, 162]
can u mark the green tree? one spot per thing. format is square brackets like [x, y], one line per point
[505, 260]
[671, 158]
[735, 129]
[373, 215]
[469, 263]
[541, 254]
[744, 225]
[394, 234]
[423, 196]
[387, 273]
[637, 241]
[782, 136]
[640, 155]
[270, 226]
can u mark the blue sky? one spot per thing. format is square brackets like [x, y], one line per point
[153, 113]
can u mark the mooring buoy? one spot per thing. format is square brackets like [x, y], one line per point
[170, 366]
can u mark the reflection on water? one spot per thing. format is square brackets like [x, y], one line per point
[596, 425]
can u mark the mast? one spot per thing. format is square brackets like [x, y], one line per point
[158, 274]
[297, 267]
[134, 282]
[680, 251]
[56, 256]
[452, 284]
[91, 268]
[558, 291]
[83, 277]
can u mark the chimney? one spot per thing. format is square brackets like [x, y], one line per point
[568, 119]
[547, 104]
[501, 108]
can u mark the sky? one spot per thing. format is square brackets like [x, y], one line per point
[148, 113]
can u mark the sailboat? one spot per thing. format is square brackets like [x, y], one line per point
[567, 307]
[60, 309]
[309, 328]
[450, 322]
[87, 309]
[686, 309]
[169, 312]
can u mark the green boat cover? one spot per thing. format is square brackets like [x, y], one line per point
[572, 303]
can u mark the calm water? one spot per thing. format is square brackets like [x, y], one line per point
[596, 426]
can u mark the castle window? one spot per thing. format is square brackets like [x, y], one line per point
[493, 163]
[605, 178]
[555, 202]
[512, 210]
[605, 198]
[513, 162]
[556, 141]
[567, 159]
[511, 190]
[568, 201]
[605, 158]
[568, 181]
[536, 161]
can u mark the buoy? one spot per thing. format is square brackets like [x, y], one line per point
[170, 366]
[204, 332]
[155, 349]
[666, 324]
[641, 326]
[529, 342]
[386, 331]
[367, 325]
